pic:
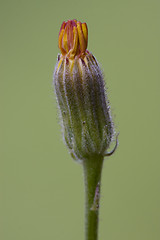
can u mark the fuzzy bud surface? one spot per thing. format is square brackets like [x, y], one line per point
[80, 91]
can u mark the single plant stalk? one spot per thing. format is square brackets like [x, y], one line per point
[92, 179]
[85, 113]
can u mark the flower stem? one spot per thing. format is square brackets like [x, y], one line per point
[92, 178]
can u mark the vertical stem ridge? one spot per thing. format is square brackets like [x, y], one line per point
[92, 180]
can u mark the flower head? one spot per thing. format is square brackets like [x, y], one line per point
[79, 86]
[73, 38]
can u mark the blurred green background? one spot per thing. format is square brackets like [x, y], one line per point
[41, 188]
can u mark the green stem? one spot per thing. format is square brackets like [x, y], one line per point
[92, 179]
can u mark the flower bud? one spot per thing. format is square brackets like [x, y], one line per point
[79, 86]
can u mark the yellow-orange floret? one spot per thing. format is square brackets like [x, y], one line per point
[73, 39]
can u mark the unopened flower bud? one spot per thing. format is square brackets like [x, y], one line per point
[79, 86]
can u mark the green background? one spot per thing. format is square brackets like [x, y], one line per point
[41, 188]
